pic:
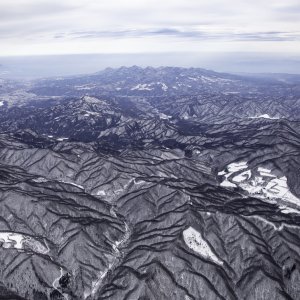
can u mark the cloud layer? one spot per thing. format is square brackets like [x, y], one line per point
[119, 26]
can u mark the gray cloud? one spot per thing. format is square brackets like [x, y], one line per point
[188, 34]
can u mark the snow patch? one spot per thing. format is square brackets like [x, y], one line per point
[84, 87]
[20, 242]
[231, 169]
[72, 183]
[142, 87]
[61, 139]
[288, 210]
[185, 116]
[264, 116]
[39, 180]
[195, 241]
[242, 176]
[101, 193]
[237, 166]
[164, 87]
[12, 240]
[91, 113]
[139, 181]
[193, 78]
[164, 116]
[227, 183]
[266, 186]
[265, 172]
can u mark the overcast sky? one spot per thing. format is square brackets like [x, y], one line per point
[30, 27]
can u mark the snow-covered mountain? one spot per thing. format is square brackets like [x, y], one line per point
[150, 183]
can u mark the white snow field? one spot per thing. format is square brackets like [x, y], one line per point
[142, 87]
[264, 116]
[194, 241]
[266, 185]
[231, 169]
[12, 240]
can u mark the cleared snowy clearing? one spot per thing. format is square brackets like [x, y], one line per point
[194, 241]
[12, 240]
[266, 185]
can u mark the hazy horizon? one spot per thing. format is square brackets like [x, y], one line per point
[30, 67]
